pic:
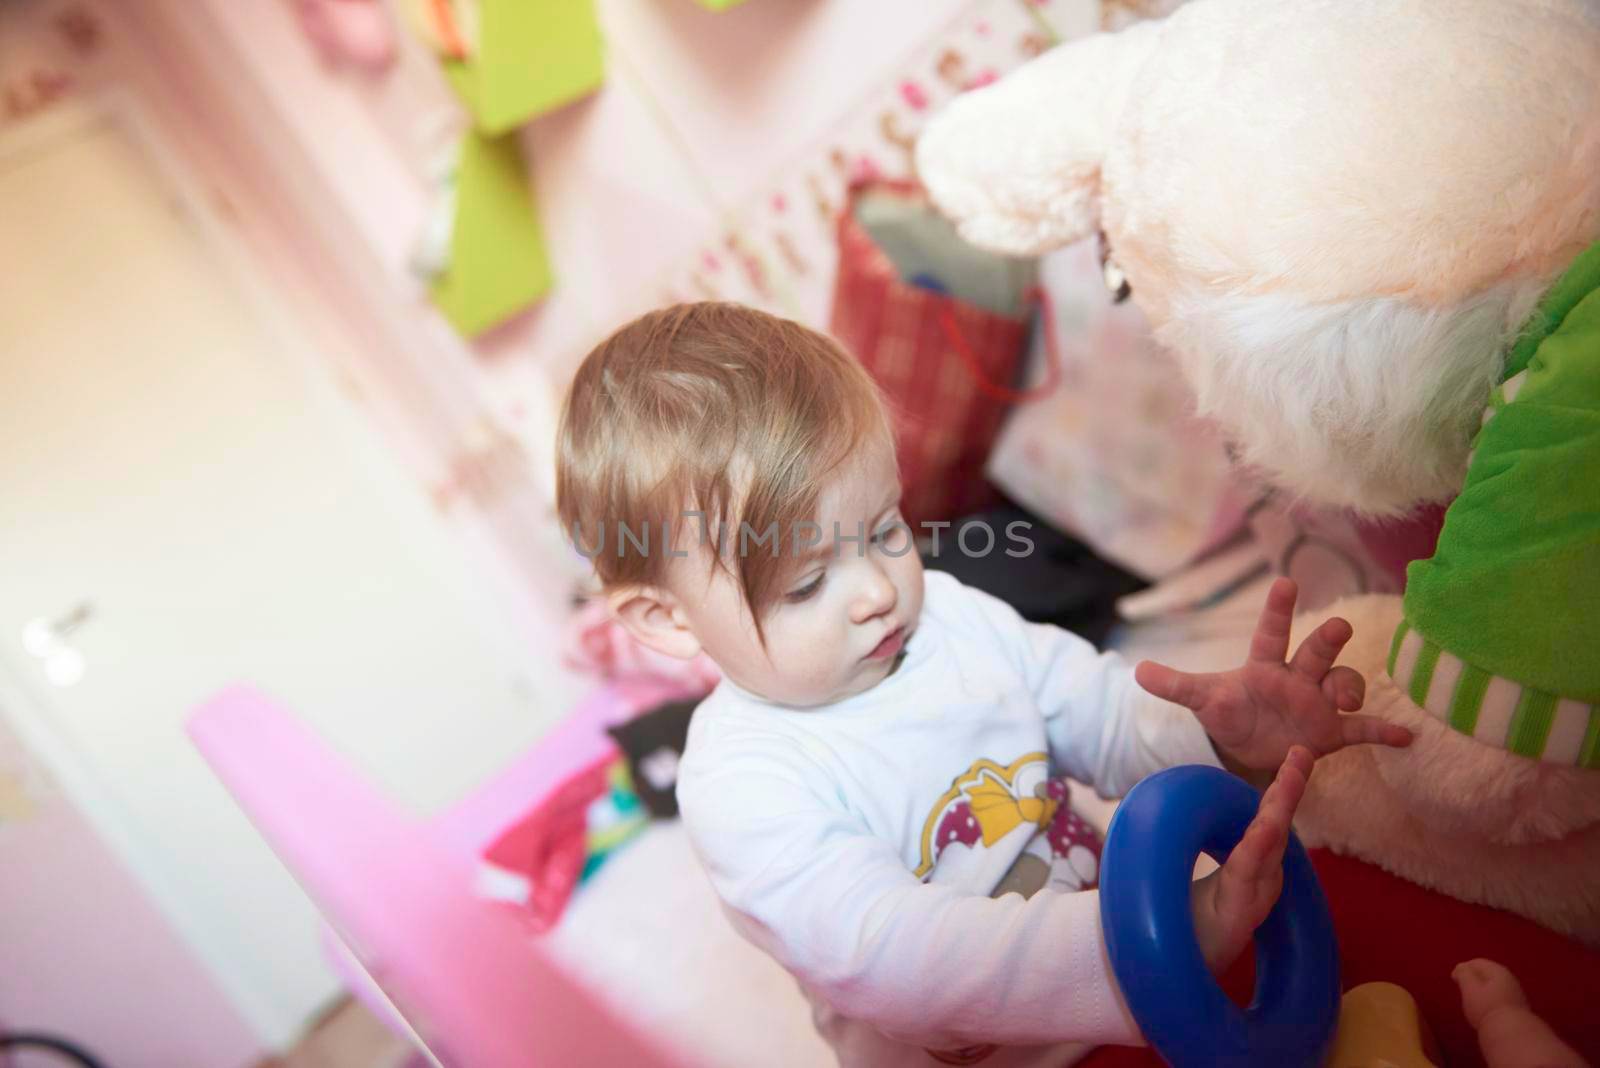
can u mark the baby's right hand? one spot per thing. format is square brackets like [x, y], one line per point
[1231, 902]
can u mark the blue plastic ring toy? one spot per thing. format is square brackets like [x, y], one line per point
[1159, 831]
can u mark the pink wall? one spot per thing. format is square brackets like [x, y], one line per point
[701, 115]
[83, 952]
[702, 118]
[86, 955]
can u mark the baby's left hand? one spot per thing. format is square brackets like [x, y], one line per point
[1255, 713]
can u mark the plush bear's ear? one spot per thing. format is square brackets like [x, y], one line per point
[1017, 164]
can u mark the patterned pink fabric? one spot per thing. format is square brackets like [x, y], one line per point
[600, 646]
[1333, 553]
[1115, 455]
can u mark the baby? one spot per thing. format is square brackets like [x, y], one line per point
[877, 788]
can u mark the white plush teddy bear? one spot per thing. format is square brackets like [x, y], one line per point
[1367, 229]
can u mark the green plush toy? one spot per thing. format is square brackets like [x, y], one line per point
[1494, 640]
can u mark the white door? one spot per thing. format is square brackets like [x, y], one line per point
[198, 503]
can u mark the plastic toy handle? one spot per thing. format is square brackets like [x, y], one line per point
[1159, 831]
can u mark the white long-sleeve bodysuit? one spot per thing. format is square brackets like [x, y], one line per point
[859, 843]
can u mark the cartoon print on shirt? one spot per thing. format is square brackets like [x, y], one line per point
[1066, 857]
[989, 803]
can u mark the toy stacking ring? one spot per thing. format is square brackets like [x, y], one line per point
[1157, 834]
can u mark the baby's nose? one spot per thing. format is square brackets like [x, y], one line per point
[876, 597]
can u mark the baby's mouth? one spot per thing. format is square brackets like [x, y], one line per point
[890, 645]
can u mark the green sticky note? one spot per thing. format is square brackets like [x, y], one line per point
[532, 57]
[498, 264]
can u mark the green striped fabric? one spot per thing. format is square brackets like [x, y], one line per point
[1540, 725]
[1531, 722]
[1468, 699]
[1498, 639]
[1589, 754]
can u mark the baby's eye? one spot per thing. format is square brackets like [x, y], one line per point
[805, 592]
[883, 536]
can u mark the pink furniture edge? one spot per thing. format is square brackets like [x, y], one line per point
[472, 823]
[572, 745]
[465, 974]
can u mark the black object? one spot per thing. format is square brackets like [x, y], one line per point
[653, 744]
[35, 1042]
[1053, 578]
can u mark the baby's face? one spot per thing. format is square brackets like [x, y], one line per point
[841, 618]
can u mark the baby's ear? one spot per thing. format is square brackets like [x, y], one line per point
[650, 614]
[1016, 164]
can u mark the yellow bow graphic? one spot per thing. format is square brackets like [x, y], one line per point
[998, 811]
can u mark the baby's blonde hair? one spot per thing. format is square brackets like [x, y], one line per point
[708, 407]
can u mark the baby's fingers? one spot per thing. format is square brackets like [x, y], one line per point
[1486, 986]
[1509, 1034]
[1260, 852]
[1358, 730]
[1321, 648]
[1243, 892]
[1344, 688]
[1170, 684]
[1283, 796]
[1270, 642]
